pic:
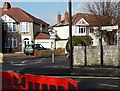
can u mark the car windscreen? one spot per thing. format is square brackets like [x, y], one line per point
[29, 47]
[38, 46]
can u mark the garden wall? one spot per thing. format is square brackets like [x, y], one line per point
[110, 56]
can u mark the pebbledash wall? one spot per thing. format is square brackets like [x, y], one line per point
[110, 56]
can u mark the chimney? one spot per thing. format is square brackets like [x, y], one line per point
[59, 18]
[6, 6]
[66, 17]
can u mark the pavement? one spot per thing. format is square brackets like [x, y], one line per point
[61, 68]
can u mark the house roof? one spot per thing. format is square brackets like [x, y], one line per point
[45, 36]
[42, 36]
[90, 18]
[21, 16]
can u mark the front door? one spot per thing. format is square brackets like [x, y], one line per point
[26, 41]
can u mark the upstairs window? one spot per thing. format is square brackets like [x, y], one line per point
[9, 27]
[11, 42]
[24, 26]
[82, 29]
[40, 26]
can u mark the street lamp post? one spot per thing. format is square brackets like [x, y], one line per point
[70, 35]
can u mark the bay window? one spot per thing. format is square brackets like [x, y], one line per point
[10, 27]
[11, 42]
[82, 29]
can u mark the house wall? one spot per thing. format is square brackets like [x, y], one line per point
[36, 28]
[30, 33]
[63, 33]
[110, 56]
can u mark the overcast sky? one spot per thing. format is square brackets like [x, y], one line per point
[48, 11]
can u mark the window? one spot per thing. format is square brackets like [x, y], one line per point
[24, 26]
[11, 42]
[9, 27]
[82, 29]
[91, 30]
[14, 27]
[40, 26]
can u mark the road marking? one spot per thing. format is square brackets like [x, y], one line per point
[90, 77]
[23, 62]
[19, 64]
[109, 85]
[97, 77]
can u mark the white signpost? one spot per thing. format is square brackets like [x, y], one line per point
[53, 37]
[109, 28]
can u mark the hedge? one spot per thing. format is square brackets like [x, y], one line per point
[48, 53]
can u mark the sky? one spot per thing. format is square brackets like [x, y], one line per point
[47, 11]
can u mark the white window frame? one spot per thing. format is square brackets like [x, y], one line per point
[80, 31]
[24, 27]
[41, 27]
[10, 42]
[9, 26]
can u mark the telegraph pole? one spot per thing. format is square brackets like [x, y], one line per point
[101, 47]
[70, 35]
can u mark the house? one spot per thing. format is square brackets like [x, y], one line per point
[82, 24]
[20, 28]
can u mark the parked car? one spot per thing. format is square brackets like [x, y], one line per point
[29, 49]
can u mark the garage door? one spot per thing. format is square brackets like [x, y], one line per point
[45, 44]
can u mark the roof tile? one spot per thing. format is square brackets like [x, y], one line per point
[21, 16]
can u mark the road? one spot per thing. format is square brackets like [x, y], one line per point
[98, 83]
[32, 65]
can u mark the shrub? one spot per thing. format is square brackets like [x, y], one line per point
[79, 40]
[48, 53]
[60, 52]
[44, 53]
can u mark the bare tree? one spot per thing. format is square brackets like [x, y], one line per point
[107, 13]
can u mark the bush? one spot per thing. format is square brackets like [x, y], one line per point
[48, 53]
[44, 53]
[79, 40]
[60, 52]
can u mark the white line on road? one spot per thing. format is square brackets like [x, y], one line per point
[19, 64]
[91, 77]
[97, 77]
[109, 85]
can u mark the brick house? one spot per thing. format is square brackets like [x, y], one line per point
[20, 28]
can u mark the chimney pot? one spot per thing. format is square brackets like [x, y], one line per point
[66, 17]
[59, 18]
[6, 6]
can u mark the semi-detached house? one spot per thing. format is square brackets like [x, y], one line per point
[20, 28]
